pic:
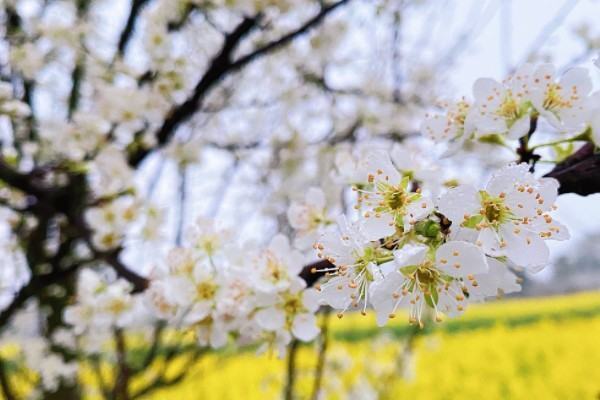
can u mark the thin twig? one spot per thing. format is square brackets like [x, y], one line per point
[223, 65]
[288, 390]
[127, 33]
[121, 388]
[183, 173]
[5, 383]
[322, 352]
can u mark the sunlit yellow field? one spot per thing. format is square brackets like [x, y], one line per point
[514, 349]
[539, 348]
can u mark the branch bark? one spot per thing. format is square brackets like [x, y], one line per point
[221, 66]
[127, 33]
[121, 388]
[579, 173]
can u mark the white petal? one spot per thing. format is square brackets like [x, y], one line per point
[551, 228]
[179, 290]
[310, 299]
[270, 318]
[461, 259]
[524, 247]
[437, 128]
[378, 164]
[519, 128]
[334, 247]
[544, 75]
[489, 92]
[382, 296]
[418, 209]
[198, 312]
[218, 337]
[304, 327]
[315, 198]
[378, 226]
[488, 124]
[336, 293]
[410, 255]
[448, 302]
[490, 242]
[548, 190]
[499, 277]
[578, 78]
[458, 201]
[522, 204]
[280, 245]
[508, 178]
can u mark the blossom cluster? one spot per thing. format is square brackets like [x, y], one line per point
[220, 290]
[225, 290]
[407, 250]
[503, 111]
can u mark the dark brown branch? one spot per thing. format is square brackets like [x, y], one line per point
[579, 173]
[311, 273]
[156, 341]
[31, 289]
[121, 388]
[74, 95]
[162, 381]
[127, 33]
[178, 23]
[221, 66]
[284, 40]
[139, 282]
[526, 154]
[19, 180]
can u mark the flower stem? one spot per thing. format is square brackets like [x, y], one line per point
[288, 391]
[582, 137]
[322, 351]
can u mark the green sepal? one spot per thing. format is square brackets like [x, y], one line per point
[433, 299]
[405, 181]
[409, 269]
[473, 221]
[493, 138]
[428, 228]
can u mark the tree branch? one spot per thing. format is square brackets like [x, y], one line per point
[288, 390]
[18, 180]
[284, 40]
[127, 33]
[221, 66]
[121, 388]
[579, 173]
[31, 289]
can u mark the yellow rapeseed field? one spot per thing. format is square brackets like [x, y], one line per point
[513, 349]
